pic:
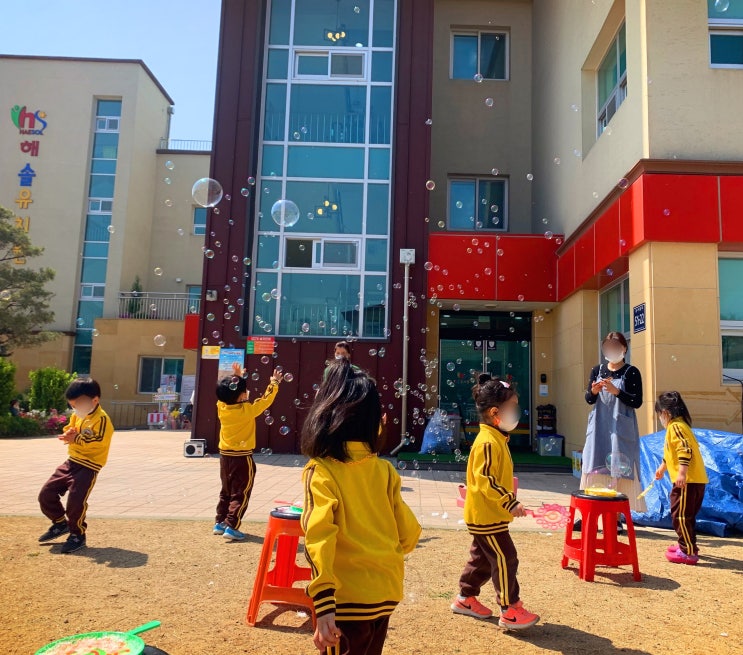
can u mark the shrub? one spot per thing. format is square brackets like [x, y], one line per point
[19, 426]
[47, 388]
[7, 385]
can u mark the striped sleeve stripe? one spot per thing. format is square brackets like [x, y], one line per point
[486, 471]
[305, 516]
[235, 453]
[358, 611]
[682, 438]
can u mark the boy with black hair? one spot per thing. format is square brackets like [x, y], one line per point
[236, 444]
[88, 437]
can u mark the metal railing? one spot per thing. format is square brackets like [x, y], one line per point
[130, 415]
[157, 306]
[185, 144]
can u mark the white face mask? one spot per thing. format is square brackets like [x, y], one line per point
[614, 358]
[82, 412]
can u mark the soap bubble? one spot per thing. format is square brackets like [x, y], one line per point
[456, 307]
[209, 254]
[495, 171]
[489, 102]
[557, 161]
[623, 183]
[402, 465]
[168, 202]
[619, 465]
[666, 212]
[181, 232]
[478, 78]
[284, 430]
[450, 366]
[210, 317]
[721, 6]
[428, 266]
[430, 185]
[95, 332]
[158, 271]
[251, 181]
[80, 322]
[275, 294]
[111, 229]
[206, 192]
[265, 359]
[529, 177]
[548, 235]
[305, 327]
[266, 297]
[285, 212]
[429, 121]
[245, 192]
[269, 420]
[288, 377]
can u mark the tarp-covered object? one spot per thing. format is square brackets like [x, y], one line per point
[722, 510]
[439, 437]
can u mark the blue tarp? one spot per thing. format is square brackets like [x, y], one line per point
[438, 437]
[722, 510]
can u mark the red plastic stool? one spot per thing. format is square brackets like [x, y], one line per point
[277, 585]
[590, 550]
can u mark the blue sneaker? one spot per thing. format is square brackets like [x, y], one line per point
[219, 528]
[234, 535]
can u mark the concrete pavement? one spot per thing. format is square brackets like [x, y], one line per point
[148, 477]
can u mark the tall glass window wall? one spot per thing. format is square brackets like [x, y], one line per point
[97, 230]
[327, 147]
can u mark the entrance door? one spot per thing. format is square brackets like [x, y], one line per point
[498, 343]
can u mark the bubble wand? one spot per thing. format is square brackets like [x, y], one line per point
[645, 491]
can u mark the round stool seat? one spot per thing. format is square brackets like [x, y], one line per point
[286, 512]
[584, 496]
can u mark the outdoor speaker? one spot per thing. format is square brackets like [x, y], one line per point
[194, 448]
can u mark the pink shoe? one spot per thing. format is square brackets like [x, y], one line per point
[672, 548]
[517, 617]
[471, 607]
[680, 557]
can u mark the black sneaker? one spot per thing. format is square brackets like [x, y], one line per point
[74, 542]
[56, 530]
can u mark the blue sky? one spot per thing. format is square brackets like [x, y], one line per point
[177, 39]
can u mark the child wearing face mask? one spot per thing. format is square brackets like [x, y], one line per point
[683, 461]
[489, 508]
[88, 438]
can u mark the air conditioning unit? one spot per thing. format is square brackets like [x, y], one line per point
[194, 448]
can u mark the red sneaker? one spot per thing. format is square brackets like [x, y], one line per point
[516, 617]
[471, 607]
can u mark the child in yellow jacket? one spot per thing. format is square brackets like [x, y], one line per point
[236, 444]
[88, 437]
[683, 461]
[489, 507]
[357, 527]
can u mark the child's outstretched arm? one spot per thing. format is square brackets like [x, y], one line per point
[269, 395]
[408, 527]
[320, 536]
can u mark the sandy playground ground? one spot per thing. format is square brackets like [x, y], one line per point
[198, 585]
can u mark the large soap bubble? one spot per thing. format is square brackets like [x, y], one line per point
[207, 192]
[285, 213]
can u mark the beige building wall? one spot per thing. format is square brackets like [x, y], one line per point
[118, 349]
[694, 110]
[680, 349]
[179, 256]
[468, 137]
[575, 335]
[570, 41]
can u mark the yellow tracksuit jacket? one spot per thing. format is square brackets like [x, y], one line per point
[490, 497]
[237, 431]
[93, 439]
[680, 448]
[357, 530]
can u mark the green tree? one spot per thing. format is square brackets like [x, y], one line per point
[7, 385]
[136, 304]
[47, 388]
[24, 300]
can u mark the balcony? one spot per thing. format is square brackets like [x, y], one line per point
[157, 306]
[188, 145]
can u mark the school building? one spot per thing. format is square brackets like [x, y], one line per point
[473, 184]
[93, 178]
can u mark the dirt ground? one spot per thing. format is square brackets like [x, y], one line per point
[198, 586]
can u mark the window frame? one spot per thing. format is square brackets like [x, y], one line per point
[109, 124]
[318, 253]
[162, 363]
[329, 75]
[618, 93]
[623, 284]
[195, 227]
[478, 33]
[724, 27]
[477, 180]
[730, 329]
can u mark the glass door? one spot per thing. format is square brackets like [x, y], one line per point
[498, 343]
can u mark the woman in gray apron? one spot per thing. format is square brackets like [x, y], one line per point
[611, 456]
